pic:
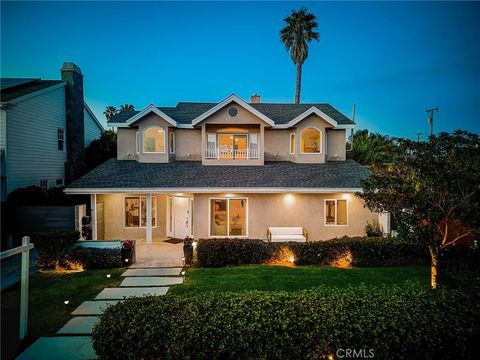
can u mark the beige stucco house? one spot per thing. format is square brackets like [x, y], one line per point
[227, 169]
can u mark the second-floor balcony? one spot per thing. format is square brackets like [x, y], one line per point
[232, 154]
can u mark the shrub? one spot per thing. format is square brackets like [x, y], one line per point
[225, 252]
[94, 258]
[460, 258]
[359, 251]
[54, 248]
[397, 323]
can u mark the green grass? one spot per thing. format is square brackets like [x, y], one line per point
[47, 293]
[278, 278]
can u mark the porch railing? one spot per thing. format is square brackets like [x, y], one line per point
[228, 154]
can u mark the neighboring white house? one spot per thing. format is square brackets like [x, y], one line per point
[40, 127]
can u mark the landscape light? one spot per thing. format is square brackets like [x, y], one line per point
[66, 302]
[108, 276]
[183, 272]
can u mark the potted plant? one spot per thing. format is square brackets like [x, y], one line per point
[127, 252]
[188, 250]
[373, 229]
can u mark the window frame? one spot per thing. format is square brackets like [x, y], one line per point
[164, 140]
[292, 142]
[320, 145]
[336, 210]
[61, 139]
[154, 198]
[44, 189]
[210, 236]
[171, 150]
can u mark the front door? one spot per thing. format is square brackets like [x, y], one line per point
[182, 217]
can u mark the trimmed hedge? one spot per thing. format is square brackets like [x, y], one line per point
[95, 258]
[363, 251]
[54, 248]
[397, 323]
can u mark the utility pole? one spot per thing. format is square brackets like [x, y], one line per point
[430, 118]
[418, 136]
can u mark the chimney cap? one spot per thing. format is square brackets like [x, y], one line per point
[70, 66]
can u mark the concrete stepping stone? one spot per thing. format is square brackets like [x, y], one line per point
[93, 307]
[80, 325]
[153, 272]
[151, 281]
[124, 292]
[60, 348]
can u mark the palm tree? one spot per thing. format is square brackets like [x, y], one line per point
[110, 112]
[295, 36]
[127, 107]
[369, 148]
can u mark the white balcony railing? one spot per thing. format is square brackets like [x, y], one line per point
[228, 154]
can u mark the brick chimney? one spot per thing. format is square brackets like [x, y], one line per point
[74, 105]
[255, 99]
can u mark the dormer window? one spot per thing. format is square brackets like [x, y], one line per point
[310, 141]
[154, 140]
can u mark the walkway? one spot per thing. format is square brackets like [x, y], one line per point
[149, 276]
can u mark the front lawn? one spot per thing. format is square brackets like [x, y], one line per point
[47, 293]
[279, 278]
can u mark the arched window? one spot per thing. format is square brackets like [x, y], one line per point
[154, 140]
[310, 141]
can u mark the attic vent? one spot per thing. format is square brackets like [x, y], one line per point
[232, 111]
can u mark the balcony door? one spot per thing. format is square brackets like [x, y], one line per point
[233, 146]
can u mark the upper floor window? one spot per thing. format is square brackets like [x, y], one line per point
[171, 142]
[60, 139]
[44, 184]
[154, 140]
[310, 141]
[292, 143]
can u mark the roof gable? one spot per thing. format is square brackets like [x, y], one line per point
[151, 109]
[225, 102]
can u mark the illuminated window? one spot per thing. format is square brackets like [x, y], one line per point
[292, 143]
[154, 140]
[228, 217]
[310, 141]
[336, 212]
[136, 211]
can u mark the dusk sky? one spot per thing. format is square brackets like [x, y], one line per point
[393, 60]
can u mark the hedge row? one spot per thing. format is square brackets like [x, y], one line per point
[93, 258]
[396, 323]
[359, 251]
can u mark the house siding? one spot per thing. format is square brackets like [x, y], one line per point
[32, 152]
[305, 210]
[92, 130]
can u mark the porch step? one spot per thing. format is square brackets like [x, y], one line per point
[60, 348]
[93, 307]
[151, 281]
[125, 292]
[153, 272]
[80, 325]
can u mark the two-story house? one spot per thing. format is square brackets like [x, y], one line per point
[227, 169]
[44, 127]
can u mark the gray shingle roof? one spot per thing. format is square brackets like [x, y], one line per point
[186, 112]
[18, 89]
[123, 174]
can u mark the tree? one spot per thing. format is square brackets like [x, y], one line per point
[433, 186]
[102, 149]
[110, 112]
[295, 36]
[127, 107]
[369, 148]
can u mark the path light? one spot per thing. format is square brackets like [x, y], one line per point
[108, 276]
[183, 260]
[66, 302]
[126, 260]
[183, 272]
[194, 244]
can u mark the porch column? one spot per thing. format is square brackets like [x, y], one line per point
[148, 237]
[93, 215]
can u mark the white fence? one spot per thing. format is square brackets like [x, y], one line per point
[227, 154]
[25, 251]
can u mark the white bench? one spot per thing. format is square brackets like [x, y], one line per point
[283, 233]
